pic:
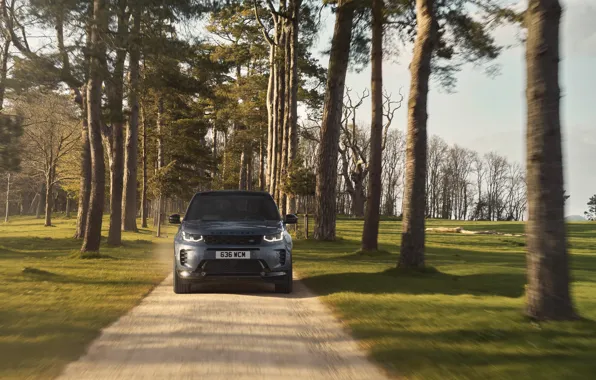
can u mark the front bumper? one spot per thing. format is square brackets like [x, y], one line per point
[197, 262]
[272, 277]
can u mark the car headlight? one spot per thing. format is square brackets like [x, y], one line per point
[274, 237]
[191, 237]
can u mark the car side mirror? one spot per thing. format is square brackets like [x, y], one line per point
[174, 219]
[291, 219]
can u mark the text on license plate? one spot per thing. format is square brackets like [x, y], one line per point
[232, 254]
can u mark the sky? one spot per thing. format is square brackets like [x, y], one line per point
[488, 113]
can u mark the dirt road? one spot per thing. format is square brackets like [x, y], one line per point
[259, 335]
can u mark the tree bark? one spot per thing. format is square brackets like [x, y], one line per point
[92, 238]
[412, 245]
[326, 202]
[548, 296]
[129, 195]
[370, 231]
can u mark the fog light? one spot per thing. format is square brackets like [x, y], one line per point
[185, 273]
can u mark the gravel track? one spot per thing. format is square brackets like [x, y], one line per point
[218, 334]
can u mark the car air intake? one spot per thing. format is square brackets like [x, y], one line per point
[282, 257]
[233, 239]
[183, 257]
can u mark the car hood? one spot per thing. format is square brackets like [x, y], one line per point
[240, 227]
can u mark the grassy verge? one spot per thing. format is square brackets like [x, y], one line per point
[53, 301]
[464, 321]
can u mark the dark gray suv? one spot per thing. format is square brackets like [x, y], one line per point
[231, 235]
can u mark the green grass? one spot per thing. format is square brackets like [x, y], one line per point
[463, 320]
[54, 301]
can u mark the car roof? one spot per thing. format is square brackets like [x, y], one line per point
[233, 192]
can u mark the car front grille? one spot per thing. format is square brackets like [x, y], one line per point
[233, 239]
[237, 267]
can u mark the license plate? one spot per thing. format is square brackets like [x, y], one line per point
[232, 254]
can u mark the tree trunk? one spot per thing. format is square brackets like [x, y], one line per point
[116, 184]
[129, 195]
[270, 118]
[280, 103]
[292, 101]
[144, 209]
[92, 238]
[325, 205]
[160, 160]
[214, 173]
[4, 70]
[85, 183]
[158, 216]
[249, 169]
[42, 201]
[67, 207]
[49, 197]
[223, 158]
[285, 147]
[261, 165]
[370, 232]
[358, 201]
[357, 177]
[412, 245]
[242, 185]
[548, 296]
[7, 211]
[116, 86]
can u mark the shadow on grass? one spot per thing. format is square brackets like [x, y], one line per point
[559, 351]
[500, 273]
[91, 256]
[38, 273]
[435, 255]
[15, 247]
[395, 281]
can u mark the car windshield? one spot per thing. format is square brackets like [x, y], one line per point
[218, 206]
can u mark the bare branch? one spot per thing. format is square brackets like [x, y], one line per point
[263, 28]
[389, 108]
[275, 12]
[22, 45]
